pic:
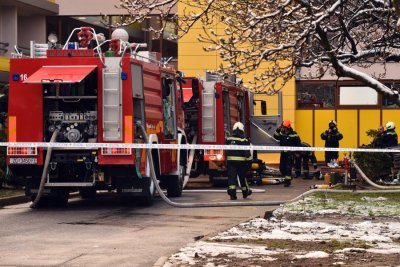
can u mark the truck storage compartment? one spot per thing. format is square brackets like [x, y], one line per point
[72, 109]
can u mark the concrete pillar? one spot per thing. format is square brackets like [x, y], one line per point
[31, 28]
[8, 27]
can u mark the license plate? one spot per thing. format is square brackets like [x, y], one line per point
[23, 160]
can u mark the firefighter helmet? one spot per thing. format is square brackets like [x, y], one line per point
[286, 123]
[390, 125]
[332, 122]
[238, 126]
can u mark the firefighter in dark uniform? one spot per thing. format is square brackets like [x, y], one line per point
[332, 137]
[238, 162]
[389, 136]
[286, 137]
[303, 158]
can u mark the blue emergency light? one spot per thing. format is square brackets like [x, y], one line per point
[124, 76]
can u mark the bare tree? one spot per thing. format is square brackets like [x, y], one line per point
[324, 35]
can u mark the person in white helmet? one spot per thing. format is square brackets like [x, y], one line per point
[238, 162]
[389, 136]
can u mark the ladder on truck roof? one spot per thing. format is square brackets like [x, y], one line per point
[112, 100]
[208, 113]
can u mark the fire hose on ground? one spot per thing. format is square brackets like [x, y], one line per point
[233, 203]
[370, 182]
[388, 189]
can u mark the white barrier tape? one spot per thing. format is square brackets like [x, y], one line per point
[189, 146]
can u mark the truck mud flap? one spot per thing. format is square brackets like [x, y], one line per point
[134, 187]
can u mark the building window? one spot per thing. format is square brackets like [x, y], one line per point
[358, 95]
[316, 95]
[388, 102]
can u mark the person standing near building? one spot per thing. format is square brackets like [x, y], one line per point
[302, 158]
[286, 137]
[377, 141]
[238, 162]
[389, 136]
[332, 136]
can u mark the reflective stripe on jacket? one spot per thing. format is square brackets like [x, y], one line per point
[238, 155]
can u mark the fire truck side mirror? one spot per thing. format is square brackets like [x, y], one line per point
[264, 107]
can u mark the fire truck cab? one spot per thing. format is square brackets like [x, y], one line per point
[84, 96]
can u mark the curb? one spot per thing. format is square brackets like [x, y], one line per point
[7, 201]
[14, 200]
[160, 262]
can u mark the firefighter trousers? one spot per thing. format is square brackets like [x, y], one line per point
[302, 161]
[237, 169]
[330, 155]
[285, 167]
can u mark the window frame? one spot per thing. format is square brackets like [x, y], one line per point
[338, 84]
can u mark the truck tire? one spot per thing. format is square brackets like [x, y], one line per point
[87, 193]
[175, 183]
[58, 199]
[61, 198]
[148, 199]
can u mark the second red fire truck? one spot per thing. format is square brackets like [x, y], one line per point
[213, 104]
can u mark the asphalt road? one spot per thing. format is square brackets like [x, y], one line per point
[101, 232]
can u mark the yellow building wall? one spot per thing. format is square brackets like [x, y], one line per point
[304, 125]
[369, 119]
[391, 115]
[4, 64]
[347, 124]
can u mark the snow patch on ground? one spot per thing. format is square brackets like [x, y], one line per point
[313, 254]
[367, 206]
[201, 249]
[379, 237]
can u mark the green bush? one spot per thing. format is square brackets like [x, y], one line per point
[374, 165]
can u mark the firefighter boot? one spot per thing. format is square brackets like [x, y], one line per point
[246, 192]
[287, 181]
[232, 194]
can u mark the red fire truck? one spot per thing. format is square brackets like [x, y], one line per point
[87, 96]
[212, 105]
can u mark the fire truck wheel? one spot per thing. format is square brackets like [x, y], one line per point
[58, 199]
[148, 199]
[156, 162]
[61, 198]
[44, 201]
[87, 193]
[175, 183]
